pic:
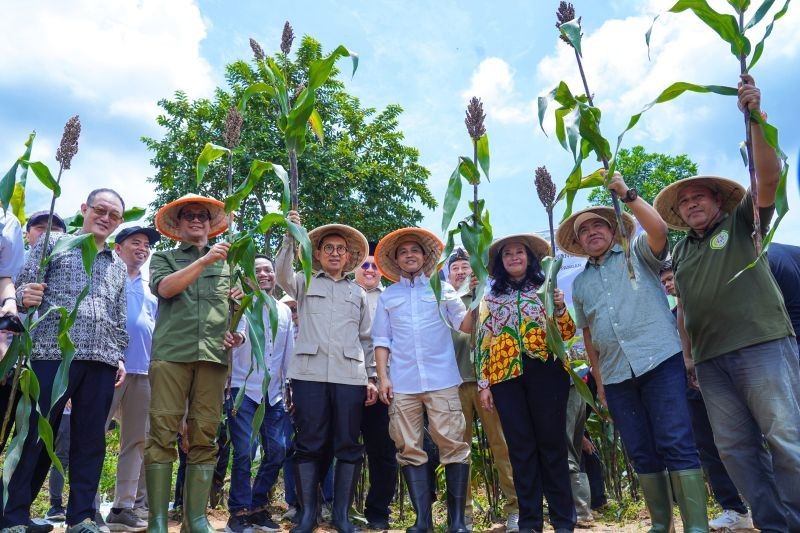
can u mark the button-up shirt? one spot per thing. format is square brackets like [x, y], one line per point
[99, 332]
[408, 323]
[142, 311]
[633, 329]
[372, 298]
[333, 342]
[191, 325]
[276, 355]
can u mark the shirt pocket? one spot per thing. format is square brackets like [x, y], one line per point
[214, 284]
[317, 300]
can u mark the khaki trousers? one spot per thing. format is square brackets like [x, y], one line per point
[471, 405]
[201, 384]
[445, 422]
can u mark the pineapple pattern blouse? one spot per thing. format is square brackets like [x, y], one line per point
[513, 324]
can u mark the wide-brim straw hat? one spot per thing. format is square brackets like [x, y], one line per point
[537, 245]
[666, 202]
[167, 222]
[387, 247]
[356, 244]
[567, 239]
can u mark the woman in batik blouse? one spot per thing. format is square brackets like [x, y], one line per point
[528, 384]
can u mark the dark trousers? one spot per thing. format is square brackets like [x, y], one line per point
[327, 421]
[725, 492]
[56, 480]
[91, 388]
[382, 462]
[533, 413]
[181, 475]
[652, 416]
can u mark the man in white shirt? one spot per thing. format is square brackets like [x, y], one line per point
[424, 376]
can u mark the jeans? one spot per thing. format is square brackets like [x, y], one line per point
[652, 416]
[56, 480]
[751, 394]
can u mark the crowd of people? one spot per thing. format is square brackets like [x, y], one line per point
[360, 369]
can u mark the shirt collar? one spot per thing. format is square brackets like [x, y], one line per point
[418, 280]
[184, 246]
[616, 249]
[695, 237]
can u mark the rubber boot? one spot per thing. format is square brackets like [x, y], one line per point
[196, 488]
[306, 479]
[159, 486]
[419, 493]
[457, 476]
[581, 495]
[690, 491]
[658, 498]
[344, 479]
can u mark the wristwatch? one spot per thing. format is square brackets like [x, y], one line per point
[630, 196]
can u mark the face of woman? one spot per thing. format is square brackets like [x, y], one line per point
[515, 260]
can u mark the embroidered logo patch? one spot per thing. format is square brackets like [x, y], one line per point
[719, 240]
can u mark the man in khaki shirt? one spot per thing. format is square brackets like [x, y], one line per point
[329, 370]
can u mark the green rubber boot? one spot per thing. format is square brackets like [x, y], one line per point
[658, 498]
[195, 499]
[159, 486]
[690, 491]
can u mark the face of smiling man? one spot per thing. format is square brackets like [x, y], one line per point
[134, 251]
[410, 258]
[458, 272]
[265, 274]
[698, 206]
[369, 277]
[595, 236]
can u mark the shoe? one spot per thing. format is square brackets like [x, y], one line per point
[238, 524]
[690, 492]
[56, 513]
[419, 492]
[39, 526]
[581, 495]
[307, 482]
[141, 512]
[512, 523]
[14, 529]
[87, 526]
[195, 498]
[262, 521]
[101, 524]
[658, 499]
[378, 525]
[730, 519]
[290, 514]
[457, 478]
[159, 489]
[125, 520]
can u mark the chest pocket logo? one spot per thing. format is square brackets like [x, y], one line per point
[719, 240]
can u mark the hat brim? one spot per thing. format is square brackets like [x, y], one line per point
[387, 247]
[42, 217]
[168, 224]
[567, 240]
[537, 245]
[666, 203]
[152, 235]
[357, 245]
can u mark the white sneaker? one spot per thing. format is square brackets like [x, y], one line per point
[730, 519]
[512, 523]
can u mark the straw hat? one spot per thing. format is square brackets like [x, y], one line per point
[537, 245]
[567, 237]
[167, 222]
[356, 244]
[387, 248]
[666, 202]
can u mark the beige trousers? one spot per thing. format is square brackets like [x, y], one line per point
[445, 422]
[471, 405]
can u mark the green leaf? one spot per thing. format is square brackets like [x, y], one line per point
[468, 169]
[572, 32]
[315, 121]
[256, 88]
[210, 153]
[739, 5]
[759, 14]
[483, 154]
[242, 254]
[560, 94]
[257, 170]
[589, 128]
[760, 46]
[12, 193]
[269, 220]
[43, 173]
[726, 26]
[320, 70]
[134, 213]
[451, 198]
[22, 425]
[279, 82]
[306, 251]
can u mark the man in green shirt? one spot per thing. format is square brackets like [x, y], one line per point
[188, 367]
[741, 338]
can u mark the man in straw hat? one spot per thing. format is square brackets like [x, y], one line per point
[189, 365]
[329, 371]
[741, 337]
[635, 352]
[424, 374]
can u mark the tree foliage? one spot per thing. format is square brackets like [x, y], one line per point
[363, 175]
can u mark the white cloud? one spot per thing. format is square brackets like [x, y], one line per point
[121, 56]
[493, 82]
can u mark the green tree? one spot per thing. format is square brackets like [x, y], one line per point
[363, 175]
[648, 173]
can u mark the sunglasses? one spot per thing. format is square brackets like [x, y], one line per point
[113, 216]
[368, 265]
[201, 217]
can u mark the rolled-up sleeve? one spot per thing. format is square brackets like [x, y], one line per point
[159, 269]
[381, 328]
[293, 284]
[455, 308]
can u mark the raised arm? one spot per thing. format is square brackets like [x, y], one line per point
[648, 217]
[177, 282]
[765, 159]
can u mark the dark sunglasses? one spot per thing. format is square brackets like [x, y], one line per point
[202, 216]
[366, 265]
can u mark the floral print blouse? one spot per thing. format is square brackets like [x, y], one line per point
[513, 324]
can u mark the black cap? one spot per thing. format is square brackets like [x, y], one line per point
[41, 216]
[152, 235]
[459, 255]
[372, 245]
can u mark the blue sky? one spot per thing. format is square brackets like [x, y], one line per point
[111, 61]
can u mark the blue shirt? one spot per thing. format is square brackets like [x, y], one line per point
[408, 323]
[784, 262]
[142, 311]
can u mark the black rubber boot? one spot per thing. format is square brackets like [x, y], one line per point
[344, 484]
[420, 495]
[457, 476]
[306, 479]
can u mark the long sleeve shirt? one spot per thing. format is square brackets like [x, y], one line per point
[408, 323]
[12, 249]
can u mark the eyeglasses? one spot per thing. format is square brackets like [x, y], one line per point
[340, 249]
[367, 265]
[201, 216]
[113, 216]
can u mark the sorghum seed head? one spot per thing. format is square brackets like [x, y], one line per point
[233, 128]
[565, 13]
[545, 187]
[474, 119]
[69, 142]
[258, 52]
[287, 38]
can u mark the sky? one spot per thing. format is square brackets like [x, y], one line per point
[110, 62]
